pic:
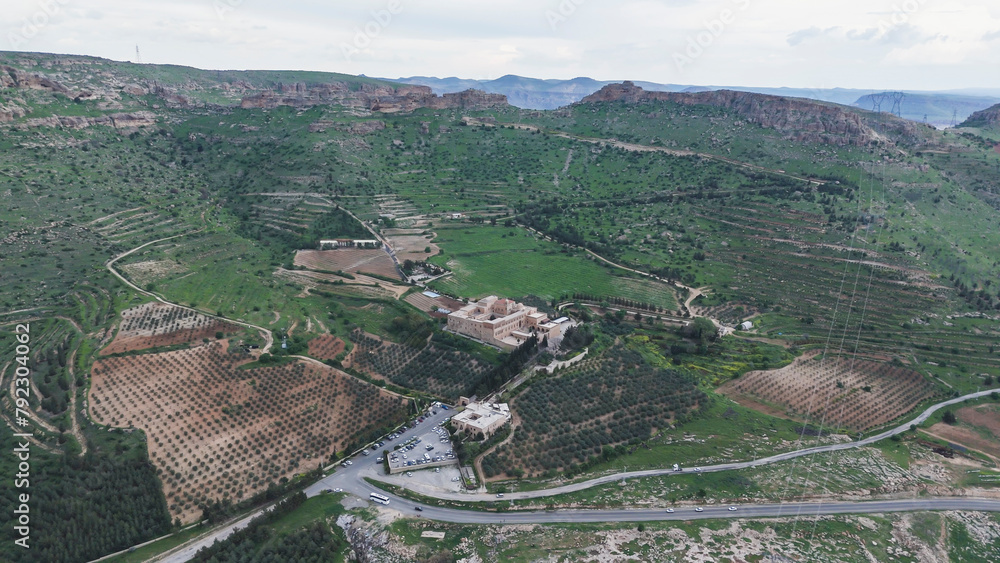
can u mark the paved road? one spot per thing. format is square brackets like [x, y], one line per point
[350, 479]
[801, 509]
[469, 497]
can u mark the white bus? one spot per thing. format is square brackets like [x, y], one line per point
[381, 499]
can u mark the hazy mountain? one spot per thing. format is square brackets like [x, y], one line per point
[938, 108]
[529, 93]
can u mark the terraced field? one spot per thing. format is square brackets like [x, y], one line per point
[835, 392]
[158, 324]
[572, 418]
[217, 431]
[436, 368]
[354, 260]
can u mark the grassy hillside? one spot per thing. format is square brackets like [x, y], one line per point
[886, 248]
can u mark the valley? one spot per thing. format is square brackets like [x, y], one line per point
[200, 334]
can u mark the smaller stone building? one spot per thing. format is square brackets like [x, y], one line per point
[482, 418]
[502, 322]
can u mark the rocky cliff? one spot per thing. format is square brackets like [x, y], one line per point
[11, 77]
[116, 120]
[379, 98]
[797, 119]
[989, 117]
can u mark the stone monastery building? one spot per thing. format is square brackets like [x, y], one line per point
[502, 322]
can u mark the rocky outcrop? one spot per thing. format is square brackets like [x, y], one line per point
[11, 111]
[170, 96]
[14, 78]
[797, 119]
[355, 128]
[117, 120]
[989, 117]
[373, 97]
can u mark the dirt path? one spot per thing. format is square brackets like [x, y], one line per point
[345, 374]
[98, 220]
[74, 420]
[110, 265]
[954, 440]
[478, 462]
[635, 147]
[693, 293]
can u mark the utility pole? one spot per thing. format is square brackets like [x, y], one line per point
[138, 58]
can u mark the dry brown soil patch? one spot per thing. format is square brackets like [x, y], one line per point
[373, 260]
[410, 246]
[216, 431]
[159, 324]
[840, 391]
[326, 347]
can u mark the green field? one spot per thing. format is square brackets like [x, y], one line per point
[511, 261]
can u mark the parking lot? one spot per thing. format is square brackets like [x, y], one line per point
[422, 443]
[425, 445]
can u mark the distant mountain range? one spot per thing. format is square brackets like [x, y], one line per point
[942, 109]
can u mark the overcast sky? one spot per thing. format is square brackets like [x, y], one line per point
[874, 44]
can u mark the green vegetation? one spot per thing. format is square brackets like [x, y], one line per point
[511, 261]
[295, 530]
[85, 507]
[887, 250]
[579, 418]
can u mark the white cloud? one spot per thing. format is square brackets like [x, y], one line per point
[851, 43]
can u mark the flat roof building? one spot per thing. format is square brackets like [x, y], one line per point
[502, 322]
[481, 418]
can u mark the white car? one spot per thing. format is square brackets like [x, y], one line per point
[732, 508]
[670, 511]
[699, 509]
[338, 490]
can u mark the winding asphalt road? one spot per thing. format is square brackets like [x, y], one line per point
[471, 497]
[350, 479]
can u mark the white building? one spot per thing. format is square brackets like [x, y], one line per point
[482, 418]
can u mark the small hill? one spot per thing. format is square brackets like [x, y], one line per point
[988, 118]
[798, 119]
